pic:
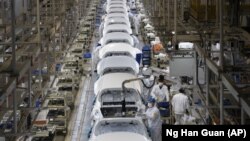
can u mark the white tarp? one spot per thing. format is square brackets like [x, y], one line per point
[111, 2]
[117, 20]
[109, 129]
[114, 15]
[114, 81]
[117, 10]
[115, 62]
[121, 136]
[117, 28]
[117, 37]
[118, 48]
[121, 6]
[107, 6]
[120, 125]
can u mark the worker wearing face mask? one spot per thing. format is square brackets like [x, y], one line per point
[180, 104]
[160, 91]
[154, 120]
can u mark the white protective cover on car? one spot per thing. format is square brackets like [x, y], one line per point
[117, 20]
[117, 28]
[118, 48]
[114, 81]
[115, 62]
[117, 37]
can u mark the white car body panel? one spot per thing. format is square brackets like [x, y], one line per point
[114, 62]
[114, 81]
[117, 37]
[121, 48]
[117, 28]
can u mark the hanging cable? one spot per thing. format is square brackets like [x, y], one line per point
[148, 87]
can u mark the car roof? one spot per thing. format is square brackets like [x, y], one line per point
[114, 81]
[121, 136]
[115, 62]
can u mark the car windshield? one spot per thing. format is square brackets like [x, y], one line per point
[118, 54]
[56, 102]
[64, 80]
[113, 70]
[132, 126]
[114, 97]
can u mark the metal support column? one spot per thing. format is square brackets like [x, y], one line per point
[221, 63]
[206, 12]
[221, 103]
[64, 6]
[48, 61]
[242, 116]
[60, 39]
[168, 15]
[40, 73]
[39, 42]
[13, 36]
[164, 13]
[29, 87]
[221, 35]
[155, 10]
[175, 22]
[3, 14]
[195, 78]
[207, 91]
[53, 13]
[151, 11]
[7, 102]
[14, 110]
[38, 23]
[182, 9]
[217, 11]
[234, 6]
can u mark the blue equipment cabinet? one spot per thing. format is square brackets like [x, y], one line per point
[146, 55]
